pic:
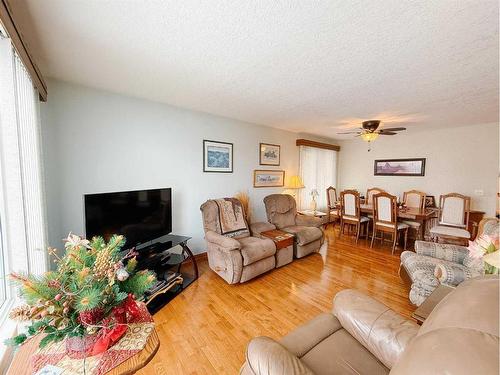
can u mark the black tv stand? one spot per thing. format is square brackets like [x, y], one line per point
[159, 258]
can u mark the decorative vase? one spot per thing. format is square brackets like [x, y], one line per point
[314, 205]
[80, 347]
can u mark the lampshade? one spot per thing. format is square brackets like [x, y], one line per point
[368, 137]
[295, 183]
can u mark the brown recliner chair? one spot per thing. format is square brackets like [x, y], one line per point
[235, 259]
[363, 336]
[281, 211]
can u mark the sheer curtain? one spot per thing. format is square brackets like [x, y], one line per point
[318, 170]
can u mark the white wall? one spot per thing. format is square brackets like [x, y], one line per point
[100, 142]
[462, 160]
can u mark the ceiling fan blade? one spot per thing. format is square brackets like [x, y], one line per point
[387, 133]
[392, 129]
[349, 133]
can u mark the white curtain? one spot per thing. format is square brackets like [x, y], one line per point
[318, 170]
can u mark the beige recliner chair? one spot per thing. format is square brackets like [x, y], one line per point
[281, 211]
[363, 336]
[239, 258]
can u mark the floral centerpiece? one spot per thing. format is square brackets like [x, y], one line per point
[94, 287]
[486, 247]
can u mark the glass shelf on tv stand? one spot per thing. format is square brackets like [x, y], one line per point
[159, 258]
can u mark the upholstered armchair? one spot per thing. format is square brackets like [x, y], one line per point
[281, 211]
[434, 263]
[363, 336]
[236, 257]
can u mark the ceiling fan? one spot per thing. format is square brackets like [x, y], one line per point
[369, 131]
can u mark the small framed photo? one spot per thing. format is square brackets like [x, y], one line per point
[269, 178]
[217, 156]
[400, 167]
[269, 154]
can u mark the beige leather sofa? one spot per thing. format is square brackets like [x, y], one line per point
[237, 259]
[363, 336]
[281, 210]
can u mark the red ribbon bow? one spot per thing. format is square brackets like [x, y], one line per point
[126, 312]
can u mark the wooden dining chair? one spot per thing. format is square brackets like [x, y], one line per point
[414, 199]
[333, 211]
[453, 218]
[371, 192]
[385, 219]
[350, 213]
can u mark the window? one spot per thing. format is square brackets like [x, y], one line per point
[22, 218]
[318, 170]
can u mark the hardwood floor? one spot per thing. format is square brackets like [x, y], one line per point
[206, 329]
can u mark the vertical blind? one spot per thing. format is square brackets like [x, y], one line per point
[28, 123]
[22, 213]
[318, 170]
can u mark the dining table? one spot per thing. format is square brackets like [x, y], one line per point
[422, 215]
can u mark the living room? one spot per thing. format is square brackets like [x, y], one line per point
[208, 101]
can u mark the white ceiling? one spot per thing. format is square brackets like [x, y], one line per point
[305, 66]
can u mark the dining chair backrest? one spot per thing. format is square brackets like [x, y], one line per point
[349, 203]
[454, 210]
[385, 208]
[414, 199]
[331, 197]
[371, 192]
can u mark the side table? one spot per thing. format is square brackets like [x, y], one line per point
[424, 310]
[284, 245]
[20, 362]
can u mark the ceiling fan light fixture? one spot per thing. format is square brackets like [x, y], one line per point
[369, 137]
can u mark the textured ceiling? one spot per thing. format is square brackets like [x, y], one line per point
[306, 66]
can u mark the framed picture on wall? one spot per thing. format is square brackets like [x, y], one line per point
[269, 154]
[217, 156]
[269, 178]
[400, 167]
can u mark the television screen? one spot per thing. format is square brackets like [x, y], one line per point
[140, 216]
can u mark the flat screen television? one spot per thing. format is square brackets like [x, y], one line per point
[141, 215]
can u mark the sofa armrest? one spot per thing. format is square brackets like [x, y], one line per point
[379, 329]
[267, 357]
[259, 227]
[450, 274]
[226, 243]
[449, 252]
[308, 221]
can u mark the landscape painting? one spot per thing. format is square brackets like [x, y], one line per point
[269, 178]
[217, 157]
[269, 154]
[400, 167]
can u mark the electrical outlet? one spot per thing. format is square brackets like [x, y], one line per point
[479, 192]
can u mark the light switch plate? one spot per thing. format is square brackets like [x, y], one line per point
[479, 192]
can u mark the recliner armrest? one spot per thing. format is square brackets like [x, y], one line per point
[227, 243]
[449, 252]
[259, 227]
[308, 221]
[379, 329]
[267, 357]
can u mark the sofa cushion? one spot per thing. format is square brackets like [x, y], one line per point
[304, 235]
[254, 249]
[339, 354]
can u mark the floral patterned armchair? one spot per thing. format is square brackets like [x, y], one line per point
[451, 263]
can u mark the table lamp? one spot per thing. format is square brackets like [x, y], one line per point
[295, 184]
